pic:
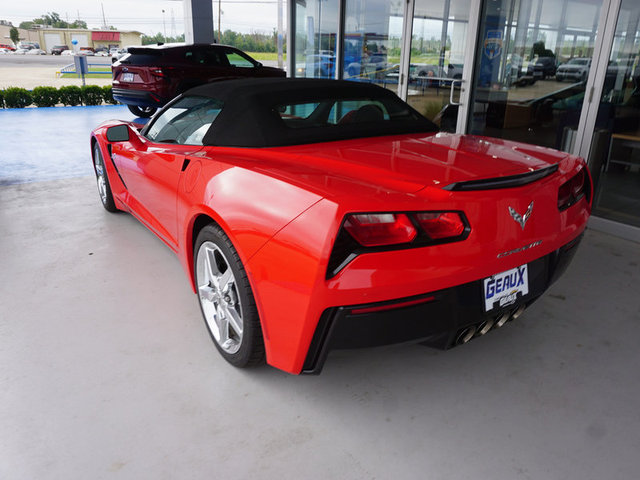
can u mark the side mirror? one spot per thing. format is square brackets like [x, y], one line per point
[118, 133]
[259, 64]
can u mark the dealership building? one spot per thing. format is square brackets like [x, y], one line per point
[552, 73]
[48, 37]
[561, 74]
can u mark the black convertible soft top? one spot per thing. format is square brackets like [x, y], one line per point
[252, 113]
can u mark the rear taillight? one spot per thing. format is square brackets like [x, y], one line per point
[377, 229]
[573, 190]
[375, 232]
[163, 72]
[441, 225]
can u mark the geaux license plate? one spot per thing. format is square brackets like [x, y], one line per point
[503, 289]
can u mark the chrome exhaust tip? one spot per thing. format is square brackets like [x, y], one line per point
[502, 319]
[485, 326]
[465, 335]
[519, 311]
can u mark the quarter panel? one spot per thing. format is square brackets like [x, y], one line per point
[250, 207]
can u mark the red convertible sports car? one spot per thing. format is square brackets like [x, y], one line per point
[312, 215]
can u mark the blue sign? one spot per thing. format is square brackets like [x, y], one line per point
[493, 44]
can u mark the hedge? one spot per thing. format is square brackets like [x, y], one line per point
[15, 97]
[91, 95]
[45, 96]
[107, 94]
[70, 95]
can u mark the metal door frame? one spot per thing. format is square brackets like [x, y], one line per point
[595, 81]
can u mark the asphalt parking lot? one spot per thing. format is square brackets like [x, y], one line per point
[107, 370]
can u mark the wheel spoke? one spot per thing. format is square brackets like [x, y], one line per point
[222, 324]
[211, 269]
[207, 293]
[226, 280]
[234, 320]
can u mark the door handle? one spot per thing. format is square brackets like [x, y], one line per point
[451, 102]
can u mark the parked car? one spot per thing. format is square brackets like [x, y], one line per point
[58, 49]
[21, 51]
[5, 51]
[148, 77]
[516, 73]
[119, 53]
[28, 45]
[89, 51]
[7, 46]
[67, 53]
[576, 69]
[313, 214]
[317, 66]
[372, 65]
[542, 68]
[36, 51]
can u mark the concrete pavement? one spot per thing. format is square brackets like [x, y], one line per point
[107, 371]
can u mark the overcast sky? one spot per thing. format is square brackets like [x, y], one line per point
[146, 15]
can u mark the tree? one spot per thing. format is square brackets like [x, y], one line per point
[26, 25]
[14, 35]
[78, 24]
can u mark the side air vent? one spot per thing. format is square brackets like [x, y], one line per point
[502, 182]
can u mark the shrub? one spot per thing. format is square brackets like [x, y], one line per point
[92, 95]
[45, 96]
[107, 94]
[70, 95]
[1, 98]
[15, 97]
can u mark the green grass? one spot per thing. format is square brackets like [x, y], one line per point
[260, 56]
[96, 68]
[88, 75]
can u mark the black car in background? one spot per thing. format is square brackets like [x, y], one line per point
[543, 67]
[147, 77]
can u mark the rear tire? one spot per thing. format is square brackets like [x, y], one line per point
[142, 112]
[226, 299]
[104, 187]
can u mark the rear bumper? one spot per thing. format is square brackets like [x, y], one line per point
[140, 98]
[436, 318]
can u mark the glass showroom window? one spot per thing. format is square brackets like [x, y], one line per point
[315, 40]
[532, 62]
[372, 41]
[437, 56]
[615, 153]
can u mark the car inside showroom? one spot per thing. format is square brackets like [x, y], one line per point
[321, 238]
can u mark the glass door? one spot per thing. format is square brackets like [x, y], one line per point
[436, 65]
[316, 27]
[373, 41]
[615, 147]
[533, 61]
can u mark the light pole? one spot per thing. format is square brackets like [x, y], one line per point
[164, 26]
[219, 15]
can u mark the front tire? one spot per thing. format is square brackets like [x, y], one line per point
[142, 112]
[104, 187]
[226, 299]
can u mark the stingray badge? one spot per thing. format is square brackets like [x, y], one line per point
[521, 219]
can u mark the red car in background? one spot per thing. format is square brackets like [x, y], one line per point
[311, 215]
[148, 77]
